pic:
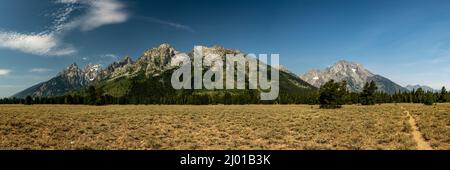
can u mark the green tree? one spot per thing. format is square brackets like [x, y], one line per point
[28, 100]
[443, 95]
[99, 98]
[428, 99]
[91, 96]
[419, 96]
[368, 94]
[68, 99]
[332, 94]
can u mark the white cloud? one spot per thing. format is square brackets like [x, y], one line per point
[40, 70]
[39, 44]
[4, 72]
[48, 43]
[98, 13]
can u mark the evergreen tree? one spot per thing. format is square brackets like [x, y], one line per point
[28, 100]
[428, 99]
[419, 96]
[68, 99]
[368, 94]
[92, 96]
[443, 95]
[332, 94]
[99, 98]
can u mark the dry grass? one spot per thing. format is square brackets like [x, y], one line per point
[434, 123]
[207, 127]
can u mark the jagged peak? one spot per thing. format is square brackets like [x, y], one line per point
[347, 63]
[73, 65]
[216, 49]
[70, 68]
[163, 48]
[127, 60]
[165, 45]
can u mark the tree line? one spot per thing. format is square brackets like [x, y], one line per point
[335, 94]
[331, 95]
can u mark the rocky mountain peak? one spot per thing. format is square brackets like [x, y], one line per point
[71, 74]
[164, 50]
[120, 68]
[165, 46]
[71, 70]
[92, 72]
[356, 75]
[126, 60]
[347, 68]
[156, 59]
[215, 50]
[351, 72]
[72, 67]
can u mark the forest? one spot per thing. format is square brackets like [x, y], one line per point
[330, 95]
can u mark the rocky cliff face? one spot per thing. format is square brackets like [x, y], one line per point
[354, 74]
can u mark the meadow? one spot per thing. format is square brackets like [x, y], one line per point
[222, 127]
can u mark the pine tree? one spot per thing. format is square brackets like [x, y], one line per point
[332, 95]
[419, 96]
[428, 99]
[92, 96]
[443, 95]
[28, 100]
[68, 99]
[368, 93]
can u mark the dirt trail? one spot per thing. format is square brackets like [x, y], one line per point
[417, 136]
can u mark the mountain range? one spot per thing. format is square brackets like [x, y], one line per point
[424, 88]
[149, 75]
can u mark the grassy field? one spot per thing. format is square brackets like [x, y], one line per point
[220, 127]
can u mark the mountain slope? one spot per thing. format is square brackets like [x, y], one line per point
[354, 74]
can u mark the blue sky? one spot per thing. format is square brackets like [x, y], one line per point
[407, 41]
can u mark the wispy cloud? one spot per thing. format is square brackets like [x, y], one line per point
[96, 13]
[168, 23]
[47, 44]
[109, 57]
[4, 72]
[40, 70]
